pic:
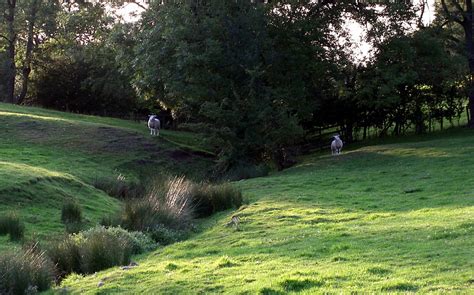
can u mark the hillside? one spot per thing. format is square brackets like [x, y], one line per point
[395, 218]
[47, 157]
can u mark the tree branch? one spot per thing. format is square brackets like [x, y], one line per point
[420, 19]
[450, 15]
[139, 5]
[5, 37]
[458, 6]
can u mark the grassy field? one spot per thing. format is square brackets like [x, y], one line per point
[47, 157]
[392, 216]
[388, 217]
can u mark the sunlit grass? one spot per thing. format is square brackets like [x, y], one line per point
[395, 218]
[47, 157]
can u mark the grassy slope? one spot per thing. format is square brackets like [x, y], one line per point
[395, 217]
[47, 156]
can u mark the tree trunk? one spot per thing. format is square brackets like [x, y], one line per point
[11, 36]
[29, 51]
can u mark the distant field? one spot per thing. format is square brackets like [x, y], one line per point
[48, 156]
[383, 218]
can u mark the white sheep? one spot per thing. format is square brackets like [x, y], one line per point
[336, 145]
[154, 125]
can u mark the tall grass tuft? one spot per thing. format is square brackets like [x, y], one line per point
[209, 199]
[174, 203]
[11, 224]
[119, 187]
[25, 272]
[71, 212]
[101, 250]
[66, 256]
[169, 205]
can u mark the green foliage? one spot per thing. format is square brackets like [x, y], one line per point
[11, 224]
[425, 84]
[101, 250]
[209, 199]
[98, 248]
[164, 235]
[85, 82]
[225, 52]
[139, 241]
[25, 272]
[110, 220]
[71, 212]
[119, 187]
[66, 255]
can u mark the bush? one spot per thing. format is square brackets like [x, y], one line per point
[209, 199]
[25, 272]
[138, 241]
[101, 250]
[110, 220]
[66, 256]
[118, 187]
[166, 236]
[98, 248]
[74, 227]
[10, 224]
[71, 212]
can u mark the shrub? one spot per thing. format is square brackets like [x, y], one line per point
[25, 272]
[209, 199]
[73, 227]
[66, 256]
[138, 241]
[110, 220]
[166, 236]
[118, 187]
[101, 250]
[10, 224]
[98, 248]
[71, 212]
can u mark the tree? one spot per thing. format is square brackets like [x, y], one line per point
[10, 38]
[462, 14]
[413, 80]
[79, 68]
[24, 26]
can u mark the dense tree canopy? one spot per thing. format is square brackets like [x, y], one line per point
[256, 78]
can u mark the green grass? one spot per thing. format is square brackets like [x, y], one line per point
[385, 218]
[48, 156]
